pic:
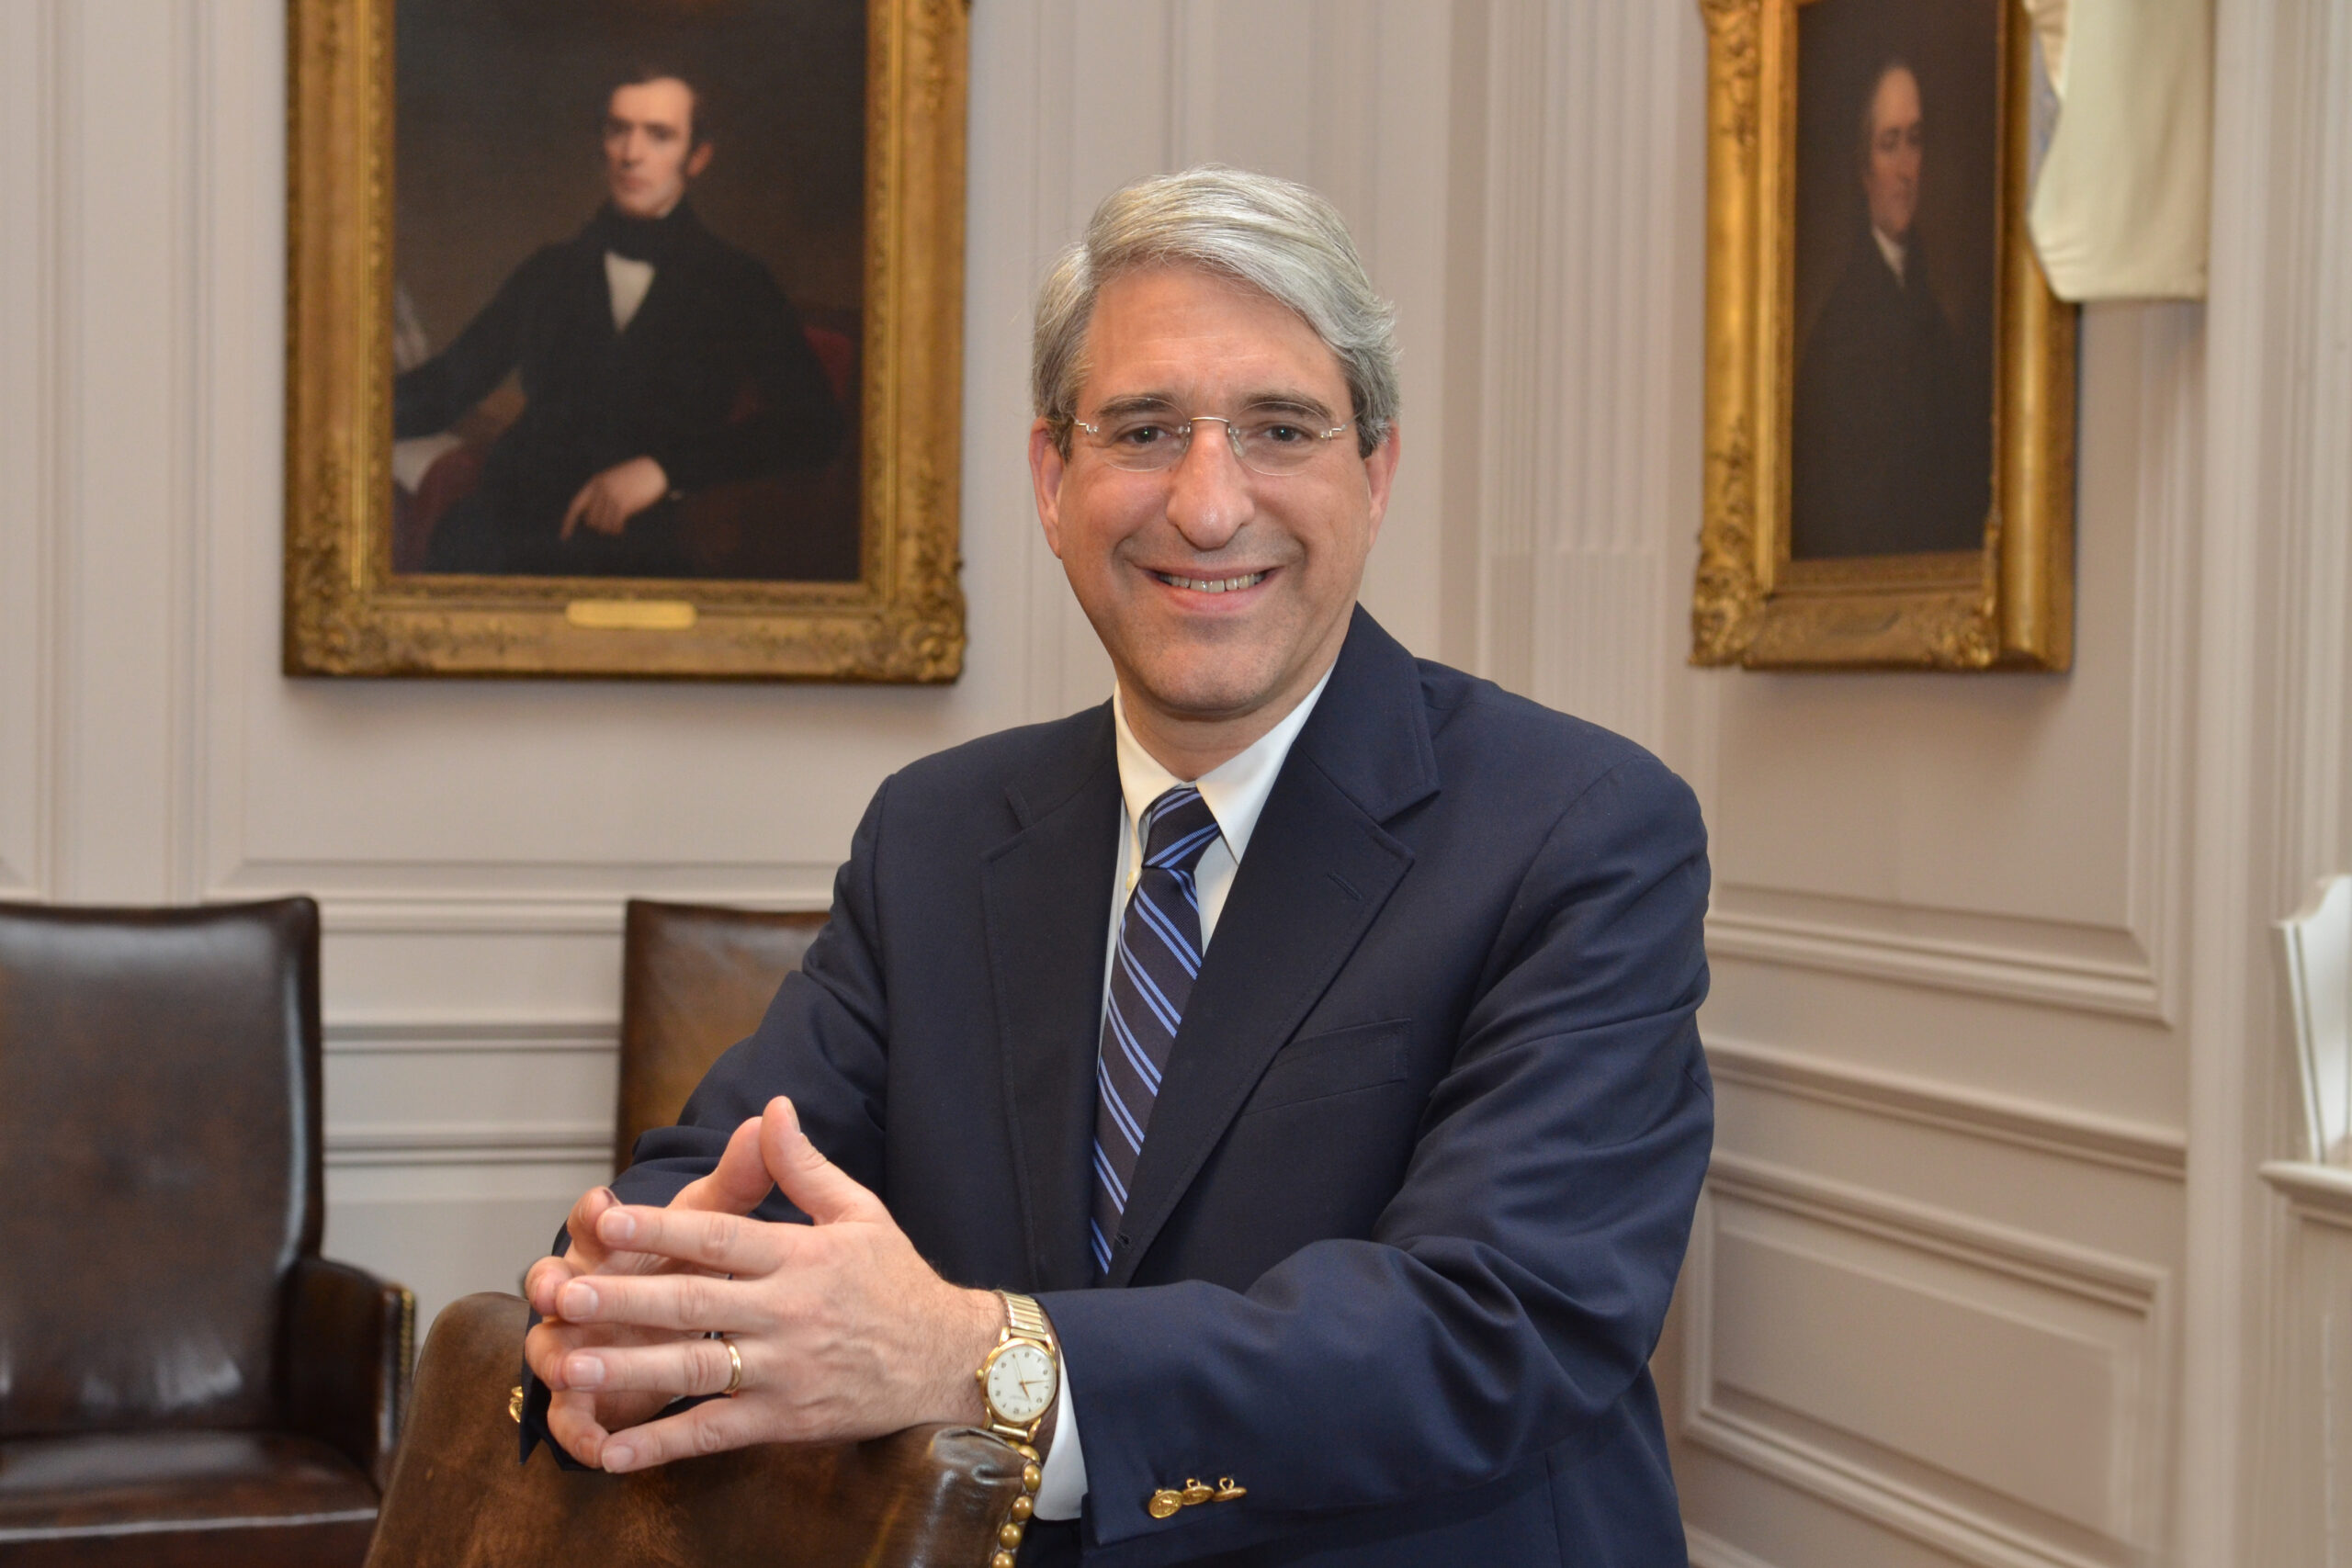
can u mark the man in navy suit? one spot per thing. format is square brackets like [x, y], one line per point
[1299, 1048]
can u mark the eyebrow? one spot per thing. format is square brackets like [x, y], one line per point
[1257, 402]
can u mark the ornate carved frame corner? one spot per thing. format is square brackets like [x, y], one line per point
[348, 614]
[2009, 606]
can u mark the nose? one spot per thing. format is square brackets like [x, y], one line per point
[1209, 497]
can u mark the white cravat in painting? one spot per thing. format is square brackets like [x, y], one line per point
[627, 281]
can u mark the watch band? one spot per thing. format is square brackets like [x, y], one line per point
[1024, 1319]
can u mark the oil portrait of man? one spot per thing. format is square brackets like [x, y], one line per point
[637, 394]
[1891, 422]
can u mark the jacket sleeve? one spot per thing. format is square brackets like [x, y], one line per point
[1510, 1293]
[436, 394]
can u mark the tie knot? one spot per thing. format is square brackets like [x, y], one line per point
[1178, 828]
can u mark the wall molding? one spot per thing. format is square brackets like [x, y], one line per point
[2019, 970]
[2140, 1148]
[446, 913]
[1707, 1550]
[407, 1034]
[2320, 1193]
[1948, 1523]
[2105, 1277]
[360, 1144]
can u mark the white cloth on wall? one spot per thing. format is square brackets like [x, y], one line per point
[2118, 205]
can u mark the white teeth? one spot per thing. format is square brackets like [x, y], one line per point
[1211, 585]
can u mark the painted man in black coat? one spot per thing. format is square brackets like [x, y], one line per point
[1892, 441]
[655, 360]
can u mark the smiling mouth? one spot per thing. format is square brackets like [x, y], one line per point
[1212, 584]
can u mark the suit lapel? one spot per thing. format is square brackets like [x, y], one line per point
[1046, 892]
[1320, 866]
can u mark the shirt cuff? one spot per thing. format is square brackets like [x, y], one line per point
[1062, 1488]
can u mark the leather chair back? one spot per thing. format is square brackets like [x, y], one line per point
[695, 979]
[159, 1086]
[930, 1495]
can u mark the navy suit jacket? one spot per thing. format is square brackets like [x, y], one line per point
[1421, 1174]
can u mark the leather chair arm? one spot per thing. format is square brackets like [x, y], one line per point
[350, 1343]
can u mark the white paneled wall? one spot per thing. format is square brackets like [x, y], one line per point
[1940, 1306]
[1985, 1275]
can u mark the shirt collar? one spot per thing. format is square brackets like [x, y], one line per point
[1234, 790]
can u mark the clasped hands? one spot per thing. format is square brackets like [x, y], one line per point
[843, 1330]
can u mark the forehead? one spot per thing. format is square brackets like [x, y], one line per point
[1896, 99]
[1194, 334]
[665, 100]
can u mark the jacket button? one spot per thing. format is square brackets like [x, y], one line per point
[1164, 1503]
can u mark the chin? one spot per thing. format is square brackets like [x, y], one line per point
[1205, 693]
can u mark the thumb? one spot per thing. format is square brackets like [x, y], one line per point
[739, 1183]
[817, 1186]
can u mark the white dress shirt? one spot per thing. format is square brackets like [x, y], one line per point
[628, 282]
[1235, 792]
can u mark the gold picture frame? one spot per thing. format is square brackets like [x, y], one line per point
[2009, 606]
[349, 612]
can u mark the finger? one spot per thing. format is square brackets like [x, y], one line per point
[690, 1304]
[572, 1421]
[547, 1276]
[707, 1428]
[679, 1367]
[740, 1184]
[586, 1251]
[815, 1185]
[544, 1346]
[578, 504]
[720, 1243]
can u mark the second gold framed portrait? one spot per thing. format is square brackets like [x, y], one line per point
[1890, 408]
[625, 338]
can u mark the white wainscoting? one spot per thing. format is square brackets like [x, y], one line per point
[2307, 1446]
[1872, 1353]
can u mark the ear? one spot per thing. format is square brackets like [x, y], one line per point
[699, 160]
[1046, 467]
[1380, 474]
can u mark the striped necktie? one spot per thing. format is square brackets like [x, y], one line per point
[1152, 970]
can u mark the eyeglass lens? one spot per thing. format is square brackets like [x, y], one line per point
[1148, 443]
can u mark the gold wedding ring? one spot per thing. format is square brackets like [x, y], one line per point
[735, 1378]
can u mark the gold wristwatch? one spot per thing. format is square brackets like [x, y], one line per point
[1021, 1376]
[1018, 1381]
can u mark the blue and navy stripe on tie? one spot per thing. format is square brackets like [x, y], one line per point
[1158, 958]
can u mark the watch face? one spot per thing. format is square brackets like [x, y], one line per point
[1021, 1382]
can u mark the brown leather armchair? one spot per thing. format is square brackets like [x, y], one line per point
[695, 979]
[183, 1378]
[926, 1497]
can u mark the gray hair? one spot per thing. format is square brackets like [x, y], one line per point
[1279, 238]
